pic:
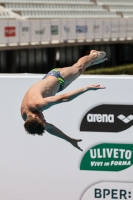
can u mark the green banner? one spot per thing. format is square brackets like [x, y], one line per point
[108, 157]
[54, 30]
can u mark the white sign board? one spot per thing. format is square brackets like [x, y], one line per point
[64, 29]
[114, 28]
[25, 31]
[41, 31]
[71, 24]
[47, 167]
[12, 31]
[106, 28]
[130, 28]
[109, 191]
[55, 29]
[90, 25]
[36, 31]
[81, 29]
[45, 27]
[98, 29]
[122, 28]
[3, 32]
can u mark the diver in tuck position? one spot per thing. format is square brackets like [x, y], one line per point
[41, 96]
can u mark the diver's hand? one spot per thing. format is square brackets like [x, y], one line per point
[95, 87]
[74, 142]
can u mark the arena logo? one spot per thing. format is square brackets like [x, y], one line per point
[100, 118]
[108, 118]
[125, 119]
[109, 191]
[108, 157]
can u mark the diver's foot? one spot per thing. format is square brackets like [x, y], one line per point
[99, 57]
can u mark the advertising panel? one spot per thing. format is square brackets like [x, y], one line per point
[71, 24]
[106, 28]
[101, 118]
[90, 25]
[36, 31]
[12, 31]
[114, 28]
[48, 167]
[64, 29]
[108, 157]
[3, 27]
[45, 27]
[55, 29]
[25, 31]
[109, 191]
[81, 29]
[129, 28]
[98, 28]
[122, 28]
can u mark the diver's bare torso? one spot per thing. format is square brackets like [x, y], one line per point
[47, 87]
[42, 89]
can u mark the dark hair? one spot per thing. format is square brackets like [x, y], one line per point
[34, 126]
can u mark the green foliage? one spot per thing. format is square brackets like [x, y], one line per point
[126, 69]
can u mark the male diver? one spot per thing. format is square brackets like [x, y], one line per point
[41, 96]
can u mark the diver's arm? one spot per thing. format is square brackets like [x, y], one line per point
[53, 130]
[47, 102]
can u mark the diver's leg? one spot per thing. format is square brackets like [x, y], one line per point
[71, 73]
